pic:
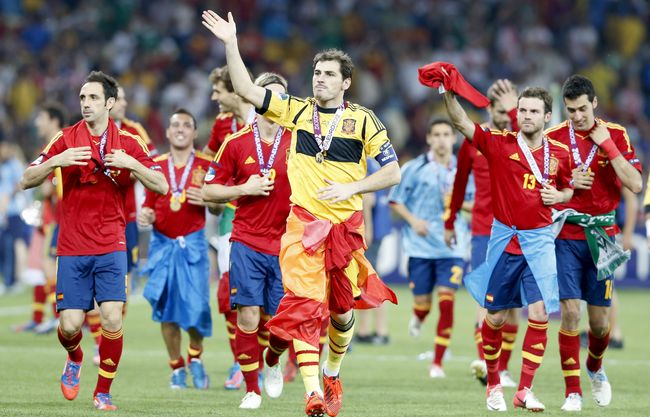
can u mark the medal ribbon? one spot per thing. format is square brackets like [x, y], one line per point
[577, 159]
[542, 179]
[324, 145]
[265, 168]
[177, 190]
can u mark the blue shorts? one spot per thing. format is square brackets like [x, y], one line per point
[577, 274]
[255, 278]
[131, 245]
[81, 280]
[479, 250]
[424, 274]
[509, 276]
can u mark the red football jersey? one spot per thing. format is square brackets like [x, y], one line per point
[260, 221]
[134, 128]
[605, 193]
[224, 124]
[516, 198]
[471, 160]
[190, 217]
[92, 219]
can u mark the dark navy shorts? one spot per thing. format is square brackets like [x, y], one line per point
[81, 280]
[577, 274]
[425, 274]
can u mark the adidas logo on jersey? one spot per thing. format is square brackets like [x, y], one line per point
[515, 156]
[249, 160]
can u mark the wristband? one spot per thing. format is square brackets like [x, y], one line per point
[609, 147]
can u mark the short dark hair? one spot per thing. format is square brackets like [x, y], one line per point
[182, 110]
[268, 78]
[108, 83]
[347, 66]
[577, 85]
[540, 93]
[439, 121]
[222, 74]
[55, 111]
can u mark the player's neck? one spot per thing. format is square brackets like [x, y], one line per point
[332, 103]
[97, 127]
[243, 111]
[534, 140]
[180, 155]
[442, 159]
[267, 129]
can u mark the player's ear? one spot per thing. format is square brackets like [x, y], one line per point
[595, 102]
[346, 83]
[547, 117]
[110, 103]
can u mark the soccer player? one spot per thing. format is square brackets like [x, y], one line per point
[49, 120]
[251, 167]
[528, 174]
[97, 161]
[605, 161]
[420, 200]
[234, 114]
[321, 255]
[178, 287]
[502, 111]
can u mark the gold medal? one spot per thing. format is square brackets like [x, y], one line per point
[320, 158]
[174, 204]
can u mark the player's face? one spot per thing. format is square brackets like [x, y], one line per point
[118, 112]
[530, 115]
[581, 111]
[94, 107]
[499, 115]
[327, 82]
[227, 100]
[441, 139]
[181, 131]
[44, 125]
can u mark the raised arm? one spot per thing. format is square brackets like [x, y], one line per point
[458, 116]
[226, 31]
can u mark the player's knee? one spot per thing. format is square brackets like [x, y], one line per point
[570, 315]
[112, 320]
[248, 318]
[69, 329]
[599, 327]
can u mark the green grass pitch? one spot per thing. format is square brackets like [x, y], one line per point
[378, 381]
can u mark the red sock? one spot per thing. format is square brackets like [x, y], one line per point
[291, 356]
[39, 303]
[276, 347]
[532, 351]
[478, 340]
[231, 325]
[72, 345]
[263, 336]
[110, 352]
[421, 311]
[178, 363]
[445, 324]
[570, 360]
[193, 352]
[492, 336]
[507, 345]
[94, 323]
[324, 337]
[248, 356]
[596, 351]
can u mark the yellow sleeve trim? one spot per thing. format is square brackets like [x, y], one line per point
[139, 128]
[137, 138]
[56, 137]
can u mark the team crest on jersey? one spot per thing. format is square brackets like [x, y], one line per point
[349, 125]
[553, 165]
[198, 175]
[210, 175]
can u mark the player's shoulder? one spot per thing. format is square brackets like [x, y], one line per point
[136, 128]
[555, 131]
[614, 127]
[558, 144]
[224, 116]
[162, 157]
[503, 133]
[201, 156]
[238, 135]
